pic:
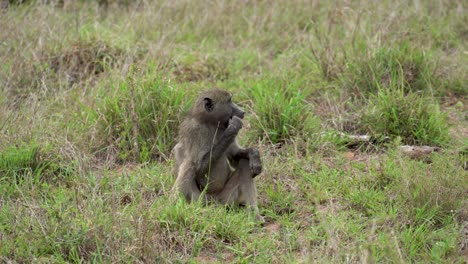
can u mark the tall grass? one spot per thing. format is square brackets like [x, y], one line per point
[158, 106]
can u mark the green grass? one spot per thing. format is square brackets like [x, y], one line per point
[92, 94]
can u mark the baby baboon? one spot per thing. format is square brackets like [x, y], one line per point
[208, 161]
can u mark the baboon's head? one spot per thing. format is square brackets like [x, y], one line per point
[215, 106]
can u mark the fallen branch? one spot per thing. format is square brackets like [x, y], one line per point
[411, 151]
[354, 140]
[418, 151]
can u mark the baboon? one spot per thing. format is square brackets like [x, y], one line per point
[209, 163]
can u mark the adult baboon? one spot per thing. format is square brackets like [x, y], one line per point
[209, 163]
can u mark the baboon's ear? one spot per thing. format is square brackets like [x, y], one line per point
[209, 105]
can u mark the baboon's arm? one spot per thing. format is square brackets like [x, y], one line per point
[212, 156]
[253, 155]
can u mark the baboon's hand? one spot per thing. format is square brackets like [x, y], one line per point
[235, 124]
[255, 163]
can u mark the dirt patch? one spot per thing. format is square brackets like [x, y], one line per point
[329, 207]
[273, 227]
[349, 155]
[206, 257]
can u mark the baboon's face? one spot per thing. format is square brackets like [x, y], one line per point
[219, 108]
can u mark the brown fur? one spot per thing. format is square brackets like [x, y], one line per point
[209, 163]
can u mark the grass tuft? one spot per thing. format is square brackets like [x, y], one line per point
[16, 161]
[194, 68]
[159, 105]
[82, 60]
[403, 67]
[281, 111]
[414, 118]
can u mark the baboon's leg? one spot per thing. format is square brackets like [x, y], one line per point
[240, 189]
[185, 182]
[248, 195]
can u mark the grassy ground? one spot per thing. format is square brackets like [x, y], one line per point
[76, 185]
